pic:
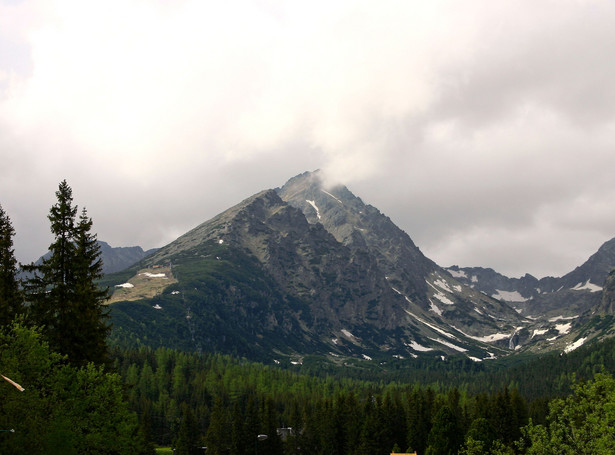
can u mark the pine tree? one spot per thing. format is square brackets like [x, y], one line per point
[11, 302]
[187, 442]
[64, 298]
[90, 315]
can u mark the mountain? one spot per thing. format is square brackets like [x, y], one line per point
[306, 270]
[573, 294]
[119, 258]
[573, 308]
[302, 270]
[114, 259]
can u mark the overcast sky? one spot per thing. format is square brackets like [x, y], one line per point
[484, 129]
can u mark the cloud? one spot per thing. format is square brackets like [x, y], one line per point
[484, 129]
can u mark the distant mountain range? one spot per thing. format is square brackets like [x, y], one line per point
[116, 259]
[305, 270]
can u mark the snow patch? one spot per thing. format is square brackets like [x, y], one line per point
[576, 344]
[588, 286]
[442, 285]
[125, 285]
[474, 279]
[348, 334]
[475, 359]
[220, 242]
[492, 338]
[157, 307]
[174, 292]
[444, 299]
[154, 275]
[448, 344]
[417, 347]
[457, 273]
[509, 296]
[431, 326]
[539, 332]
[332, 196]
[563, 328]
[366, 357]
[434, 308]
[487, 338]
[313, 204]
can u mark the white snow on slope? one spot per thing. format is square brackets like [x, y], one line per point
[442, 285]
[439, 295]
[125, 285]
[154, 275]
[417, 347]
[539, 332]
[457, 273]
[444, 299]
[450, 345]
[509, 296]
[332, 196]
[563, 328]
[576, 344]
[434, 308]
[588, 286]
[431, 326]
[487, 338]
[348, 334]
[313, 204]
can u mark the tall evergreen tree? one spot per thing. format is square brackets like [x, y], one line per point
[187, 442]
[11, 302]
[64, 298]
[90, 313]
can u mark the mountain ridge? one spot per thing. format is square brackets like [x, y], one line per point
[303, 269]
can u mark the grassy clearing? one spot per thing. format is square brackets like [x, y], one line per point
[147, 283]
[164, 451]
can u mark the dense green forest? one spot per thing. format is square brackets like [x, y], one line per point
[430, 407]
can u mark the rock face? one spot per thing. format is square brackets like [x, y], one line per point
[429, 291]
[306, 269]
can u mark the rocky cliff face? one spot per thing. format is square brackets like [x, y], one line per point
[430, 292]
